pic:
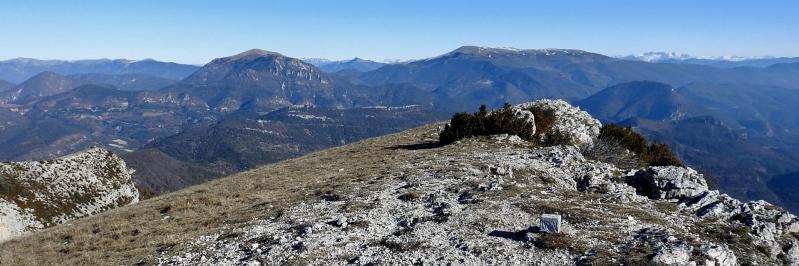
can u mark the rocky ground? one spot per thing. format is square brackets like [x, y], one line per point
[478, 202]
[405, 199]
[38, 194]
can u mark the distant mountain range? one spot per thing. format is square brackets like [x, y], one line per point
[725, 62]
[355, 64]
[258, 107]
[21, 69]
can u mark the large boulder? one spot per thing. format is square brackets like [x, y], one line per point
[668, 182]
[569, 120]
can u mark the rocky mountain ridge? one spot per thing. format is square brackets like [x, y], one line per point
[40, 194]
[404, 198]
[478, 200]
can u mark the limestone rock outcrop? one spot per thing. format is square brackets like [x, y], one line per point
[39, 194]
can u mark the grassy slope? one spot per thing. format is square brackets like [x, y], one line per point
[139, 232]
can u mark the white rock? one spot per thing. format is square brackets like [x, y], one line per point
[679, 254]
[570, 120]
[719, 255]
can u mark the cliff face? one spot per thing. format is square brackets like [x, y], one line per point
[405, 199]
[39, 194]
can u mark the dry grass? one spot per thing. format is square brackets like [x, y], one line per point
[139, 232]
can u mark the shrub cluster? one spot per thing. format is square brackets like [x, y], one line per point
[505, 121]
[484, 123]
[614, 142]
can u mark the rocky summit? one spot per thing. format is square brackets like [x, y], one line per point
[39, 194]
[406, 199]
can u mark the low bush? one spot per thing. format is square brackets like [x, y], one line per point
[611, 151]
[625, 136]
[505, 121]
[559, 241]
[615, 143]
[484, 123]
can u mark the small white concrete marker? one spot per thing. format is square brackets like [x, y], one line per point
[550, 223]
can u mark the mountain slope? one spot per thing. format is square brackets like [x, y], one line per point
[764, 109]
[647, 100]
[5, 85]
[94, 115]
[470, 76]
[402, 199]
[156, 172]
[43, 84]
[125, 82]
[34, 195]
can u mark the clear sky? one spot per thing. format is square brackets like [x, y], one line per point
[197, 31]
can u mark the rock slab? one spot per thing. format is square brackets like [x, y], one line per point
[550, 223]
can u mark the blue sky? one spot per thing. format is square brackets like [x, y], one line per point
[197, 31]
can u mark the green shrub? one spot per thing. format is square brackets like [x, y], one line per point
[654, 154]
[484, 123]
